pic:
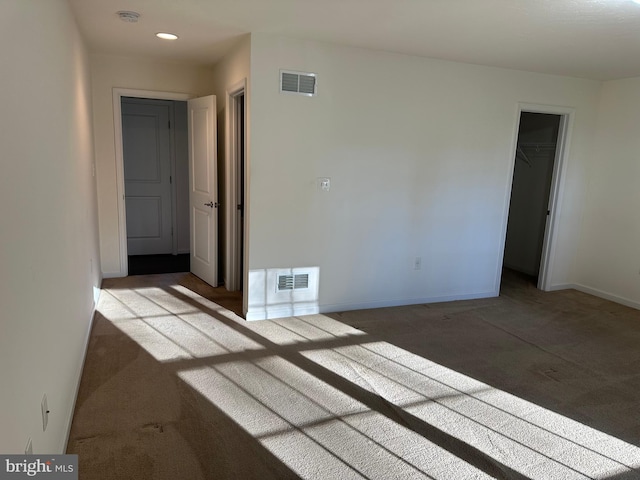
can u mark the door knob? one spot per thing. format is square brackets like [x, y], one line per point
[210, 204]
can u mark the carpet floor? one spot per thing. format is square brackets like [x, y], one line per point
[176, 385]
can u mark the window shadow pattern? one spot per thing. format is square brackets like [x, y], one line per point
[329, 401]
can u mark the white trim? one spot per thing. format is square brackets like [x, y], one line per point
[232, 255]
[270, 313]
[561, 286]
[262, 313]
[247, 196]
[266, 313]
[547, 259]
[401, 303]
[607, 296]
[117, 274]
[555, 195]
[118, 93]
[81, 370]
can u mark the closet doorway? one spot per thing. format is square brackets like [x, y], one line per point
[534, 193]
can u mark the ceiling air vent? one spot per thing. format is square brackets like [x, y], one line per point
[298, 82]
[293, 282]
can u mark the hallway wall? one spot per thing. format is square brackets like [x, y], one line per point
[49, 261]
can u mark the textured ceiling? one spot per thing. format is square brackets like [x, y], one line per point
[598, 39]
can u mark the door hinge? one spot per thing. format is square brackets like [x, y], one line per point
[169, 124]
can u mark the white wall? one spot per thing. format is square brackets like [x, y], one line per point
[49, 261]
[109, 72]
[233, 68]
[609, 258]
[419, 153]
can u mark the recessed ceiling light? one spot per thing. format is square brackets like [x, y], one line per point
[167, 36]
[131, 17]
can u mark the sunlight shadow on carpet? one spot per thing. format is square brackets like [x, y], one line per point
[330, 401]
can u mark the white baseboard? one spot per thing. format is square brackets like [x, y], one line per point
[79, 375]
[607, 296]
[272, 313]
[343, 307]
[561, 286]
[287, 311]
[117, 274]
[280, 312]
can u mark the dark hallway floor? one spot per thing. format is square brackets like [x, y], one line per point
[154, 264]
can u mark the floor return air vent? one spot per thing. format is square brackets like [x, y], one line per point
[283, 292]
[293, 282]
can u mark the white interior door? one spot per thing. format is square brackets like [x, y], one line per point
[146, 147]
[203, 188]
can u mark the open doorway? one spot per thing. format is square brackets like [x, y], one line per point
[202, 180]
[155, 162]
[536, 174]
[235, 224]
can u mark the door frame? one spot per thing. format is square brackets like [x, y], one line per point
[118, 93]
[557, 187]
[234, 250]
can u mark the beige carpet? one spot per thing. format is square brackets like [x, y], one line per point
[527, 385]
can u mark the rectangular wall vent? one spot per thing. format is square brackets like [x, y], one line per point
[283, 292]
[298, 82]
[293, 282]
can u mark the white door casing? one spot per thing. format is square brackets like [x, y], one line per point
[118, 94]
[235, 149]
[203, 191]
[555, 196]
[147, 171]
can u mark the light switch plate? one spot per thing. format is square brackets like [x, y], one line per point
[324, 184]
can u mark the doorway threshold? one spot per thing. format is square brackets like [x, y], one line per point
[154, 264]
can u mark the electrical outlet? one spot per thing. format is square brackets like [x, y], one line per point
[28, 450]
[45, 412]
[417, 263]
